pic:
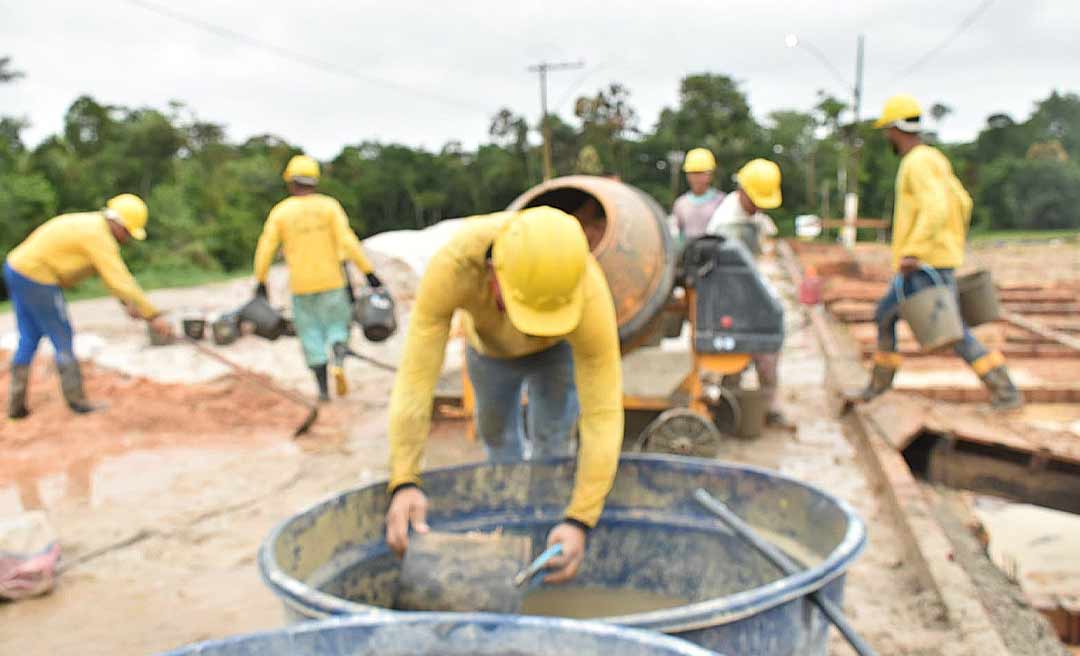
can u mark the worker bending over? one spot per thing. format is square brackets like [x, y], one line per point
[59, 254]
[539, 317]
[313, 231]
[693, 209]
[930, 222]
[739, 218]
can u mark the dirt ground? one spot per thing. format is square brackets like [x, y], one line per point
[162, 500]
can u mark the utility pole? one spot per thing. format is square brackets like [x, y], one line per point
[543, 68]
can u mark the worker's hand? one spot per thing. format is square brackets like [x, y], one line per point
[373, 279]
[909, 265]
[161, 326]
[409, 506]
[565, 566]
[260, 290]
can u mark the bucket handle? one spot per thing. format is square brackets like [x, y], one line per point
[935, 278]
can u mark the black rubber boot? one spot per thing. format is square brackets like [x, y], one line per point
[321, 380]
[71, 384]
[881, 379]
[1003, 393]
[20, 381]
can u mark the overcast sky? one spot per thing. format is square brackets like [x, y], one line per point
[423, 73]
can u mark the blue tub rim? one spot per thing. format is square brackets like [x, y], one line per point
[672, 645]
[311, 602]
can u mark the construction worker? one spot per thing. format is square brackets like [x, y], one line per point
[58, 254]
[313, 231]
[930, 221]
[693, 209]
[539, 317]
[738, 217]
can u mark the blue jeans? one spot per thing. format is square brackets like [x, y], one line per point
[548, 379]
[40, 310]
[888, 313]
[321, 319]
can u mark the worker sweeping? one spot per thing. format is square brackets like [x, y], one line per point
[57, 255]
[930, 221]
[739, 217]
[314, 231]
[539, 318]
[693, 209]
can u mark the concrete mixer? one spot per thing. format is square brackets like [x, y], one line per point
[712, 283]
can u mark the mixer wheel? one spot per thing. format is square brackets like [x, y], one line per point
[681, 432]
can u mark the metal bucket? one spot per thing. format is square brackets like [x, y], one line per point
[630, 241]
[266, 320]
[978, 298]
[653, 537]
[446, 634]
[931, 313]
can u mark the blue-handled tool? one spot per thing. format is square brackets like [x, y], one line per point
[524, 575]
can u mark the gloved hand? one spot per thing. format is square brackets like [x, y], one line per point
[373, 280]
[260, 290]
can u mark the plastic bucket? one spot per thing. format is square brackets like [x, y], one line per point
[653, 537]
[447, 634]
[978, 298]
[931, 313]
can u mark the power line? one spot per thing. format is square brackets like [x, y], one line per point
[964, 24]
[298, 57]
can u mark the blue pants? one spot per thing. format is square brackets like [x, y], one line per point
[548, 379]
[40, 310]
[888, 313]
[321, 319]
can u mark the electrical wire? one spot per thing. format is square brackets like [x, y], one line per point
[964, 24]
[300, 58]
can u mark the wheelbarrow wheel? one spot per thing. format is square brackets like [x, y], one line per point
[681, 432]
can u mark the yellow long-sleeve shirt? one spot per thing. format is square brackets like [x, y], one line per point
[69, 248]
[933, 210]
[457, 278]
[314, 232]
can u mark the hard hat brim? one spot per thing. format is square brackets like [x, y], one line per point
[550, 323]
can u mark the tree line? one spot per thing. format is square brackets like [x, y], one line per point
[209, 196]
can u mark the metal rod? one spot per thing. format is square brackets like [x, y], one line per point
[787, 566]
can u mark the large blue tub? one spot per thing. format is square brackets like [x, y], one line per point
[332, 559]
[447, 634]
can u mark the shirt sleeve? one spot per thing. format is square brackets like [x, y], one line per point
[348, 242]
[105, 256]
[931, 194]
[421, 363]
[267, 248]
[598, 377]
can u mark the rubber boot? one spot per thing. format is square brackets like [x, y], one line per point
[341, 386]
[71, 384]
[1003, 393]
[320, 379]
[20, 381]
[881, 379]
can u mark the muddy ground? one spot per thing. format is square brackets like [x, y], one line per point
[162, 500]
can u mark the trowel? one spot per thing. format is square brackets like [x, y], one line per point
[463, 572]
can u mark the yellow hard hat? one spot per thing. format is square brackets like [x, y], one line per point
[539, 258]
[760, 179]
[900, 107]
[699, 160]
[301, 169]
[131, 212]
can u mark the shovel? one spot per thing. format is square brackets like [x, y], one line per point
[785, 565]
[251, 377]
[463, 572]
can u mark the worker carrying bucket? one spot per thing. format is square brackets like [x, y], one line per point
[540, 319]
[930, 222]
[313, 230]
[57, 255]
